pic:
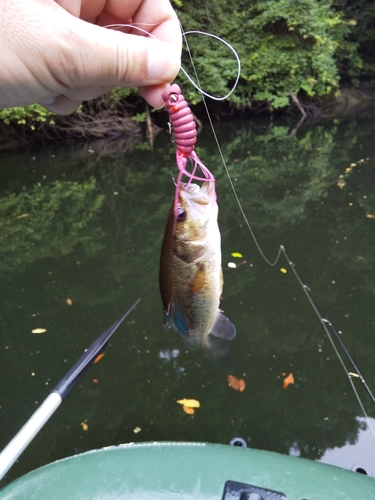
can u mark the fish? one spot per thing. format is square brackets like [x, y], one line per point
[191, 277]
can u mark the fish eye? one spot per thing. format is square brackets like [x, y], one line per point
[181, 214]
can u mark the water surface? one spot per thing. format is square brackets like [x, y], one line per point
[85, 223]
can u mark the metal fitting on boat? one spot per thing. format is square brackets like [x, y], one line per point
[238, 441]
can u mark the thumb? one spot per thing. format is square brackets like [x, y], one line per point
[101, 57]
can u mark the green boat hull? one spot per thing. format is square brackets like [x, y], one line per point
[166, 471]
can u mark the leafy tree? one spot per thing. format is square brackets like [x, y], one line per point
[361, 15]
[285, 48]
[27, 115]
[288, 49]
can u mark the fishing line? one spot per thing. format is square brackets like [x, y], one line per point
[183, 34]
[198, 87]
[269, 262]
[327, 325]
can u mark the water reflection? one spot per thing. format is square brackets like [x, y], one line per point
[93, 232]
[167, 355]
[358, 455]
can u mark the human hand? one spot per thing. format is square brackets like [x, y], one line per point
[58, 53]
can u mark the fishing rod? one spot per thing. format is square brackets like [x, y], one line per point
[327, 325]
[58, 394]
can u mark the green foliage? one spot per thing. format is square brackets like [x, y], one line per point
[361, 16]
[119, 93]
[26, 115]
[139, 117]
[285, 47]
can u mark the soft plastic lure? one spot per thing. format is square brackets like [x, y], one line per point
[185, 136]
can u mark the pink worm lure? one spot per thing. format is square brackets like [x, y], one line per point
[185, 134]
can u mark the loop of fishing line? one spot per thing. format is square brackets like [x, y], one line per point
[198, 87]
[183, 34]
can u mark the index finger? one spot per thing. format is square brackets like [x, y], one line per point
[154, 16]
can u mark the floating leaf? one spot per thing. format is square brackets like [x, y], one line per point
[95, 380]
[370, 216]
[84, 426]
[283, 270]
[38, 330]
[241, 385]
[189, 403]
[69, 302]
[22, 216]
[288, 380]
[238, 255]
[232, 265]
[99, 357]
[136, 430]
[236, 384]
[341, 182]
[188, 410]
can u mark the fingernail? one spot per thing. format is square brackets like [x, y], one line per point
[163, 64]
[48, 102]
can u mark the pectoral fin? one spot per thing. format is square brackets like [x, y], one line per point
[175, 318]
[166, 323]
[223, 328]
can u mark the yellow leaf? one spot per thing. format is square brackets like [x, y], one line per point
[188, 410]
[283, 270]
[69, 302]
[84, 426]
[189, 403]
[99, 357]
[237, 254]
[38, 330]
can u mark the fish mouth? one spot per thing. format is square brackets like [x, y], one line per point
[203, 194]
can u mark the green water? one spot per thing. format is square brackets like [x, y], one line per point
[85, 223]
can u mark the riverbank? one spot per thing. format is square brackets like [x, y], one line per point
[351, 100]
[135, 122]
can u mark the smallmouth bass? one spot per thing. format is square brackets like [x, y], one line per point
[191, 278]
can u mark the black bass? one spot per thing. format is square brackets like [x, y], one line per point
[191, 278]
